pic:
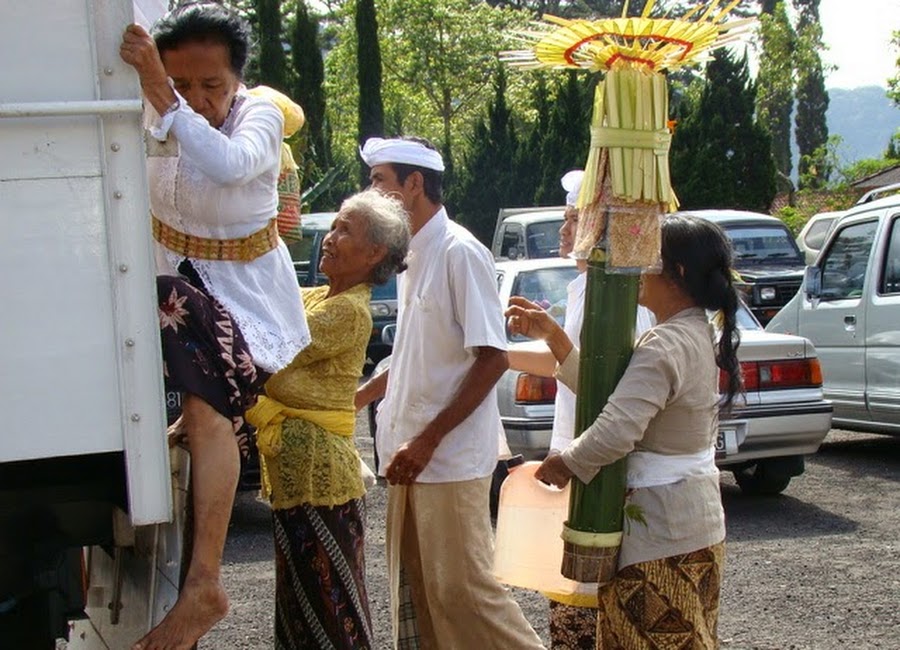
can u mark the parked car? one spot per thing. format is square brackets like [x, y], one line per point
[764, 440]
[814, 233]
[307, 252]
[849, 307]
[527, 233]
[383, 307]
[765, 255]
[306, 255]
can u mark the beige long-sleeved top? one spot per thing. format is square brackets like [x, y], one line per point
[666, 403]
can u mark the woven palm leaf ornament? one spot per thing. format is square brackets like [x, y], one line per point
[625, 192]
[626, 185]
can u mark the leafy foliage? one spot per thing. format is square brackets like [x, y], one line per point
[720, 156]
[488, 180]
[775, 87]
[272, 65]
[812, 98]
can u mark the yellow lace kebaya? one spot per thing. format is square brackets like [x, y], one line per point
[306, 419]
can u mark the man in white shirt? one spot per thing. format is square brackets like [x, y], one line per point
[438, 423]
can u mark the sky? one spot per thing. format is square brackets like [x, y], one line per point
[858, 34]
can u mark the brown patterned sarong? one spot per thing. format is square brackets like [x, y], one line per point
[671, 603]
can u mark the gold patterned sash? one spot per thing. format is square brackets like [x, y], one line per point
[241, 249]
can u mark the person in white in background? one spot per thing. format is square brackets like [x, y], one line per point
[573, 618]
[438, 423]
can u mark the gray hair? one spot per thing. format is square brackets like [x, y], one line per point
[387, 224]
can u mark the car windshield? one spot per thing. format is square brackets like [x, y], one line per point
[386, 291]
[763, 244]
[543, 239]
[546, 287]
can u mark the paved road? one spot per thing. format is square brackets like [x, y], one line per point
[817, 568]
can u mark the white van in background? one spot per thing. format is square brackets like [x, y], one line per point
[849, 307]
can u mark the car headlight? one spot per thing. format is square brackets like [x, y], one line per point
[379, 309]
[767, 293]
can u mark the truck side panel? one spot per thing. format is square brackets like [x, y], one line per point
[80, 351]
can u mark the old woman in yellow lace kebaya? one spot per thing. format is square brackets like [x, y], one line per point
[310, 466]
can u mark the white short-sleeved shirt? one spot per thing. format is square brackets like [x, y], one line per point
[564, 406]
[222, 183]
[448, 306]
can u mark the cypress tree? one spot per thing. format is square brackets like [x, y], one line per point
[530, 150]
[775, 88]
[567, 140]
[721, 157]
[812, 99]
[309, 89]
[272, 70]
[368, 74]
[488, 181]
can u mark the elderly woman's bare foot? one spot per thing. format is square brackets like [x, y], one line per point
[201, 604]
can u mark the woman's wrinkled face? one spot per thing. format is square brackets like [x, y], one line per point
[567, 231]
[347, 250]
[201, 71]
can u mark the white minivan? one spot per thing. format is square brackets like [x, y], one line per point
[849, 307]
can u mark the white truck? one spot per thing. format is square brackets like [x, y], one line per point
[849, 307]
[90, 539]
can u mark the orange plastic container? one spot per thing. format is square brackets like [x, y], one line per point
[528, 550]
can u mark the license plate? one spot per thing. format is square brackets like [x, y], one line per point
[726, 442]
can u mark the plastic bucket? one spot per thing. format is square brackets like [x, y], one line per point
[528, 550]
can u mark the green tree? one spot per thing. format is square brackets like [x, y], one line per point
[441, 55]
[812, 98]
[272, 69]
[894, 82]
[368, 74]
[721, 157]
[488, 179]
[775, 88]
[309, 88]
[567, 138]
[531, 146]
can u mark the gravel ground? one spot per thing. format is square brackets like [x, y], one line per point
[816, 568]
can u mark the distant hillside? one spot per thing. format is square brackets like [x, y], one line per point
[865, 118]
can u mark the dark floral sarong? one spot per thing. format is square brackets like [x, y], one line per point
[320, 589]
[205, 354]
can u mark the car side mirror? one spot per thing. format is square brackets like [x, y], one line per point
[388, 333]
[812, 281]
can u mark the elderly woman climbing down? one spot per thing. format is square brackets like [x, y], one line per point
[230, 312]
[311, 469]
[663, 415]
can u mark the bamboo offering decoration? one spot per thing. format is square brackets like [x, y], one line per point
[625, 192]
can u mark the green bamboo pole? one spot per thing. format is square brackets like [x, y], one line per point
[607, 341]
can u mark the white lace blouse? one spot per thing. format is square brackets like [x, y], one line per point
[222, 183]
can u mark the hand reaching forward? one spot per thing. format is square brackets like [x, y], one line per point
[554, 471]
[530, 319]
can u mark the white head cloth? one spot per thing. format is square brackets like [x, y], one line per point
[378, 151]
[571, 183]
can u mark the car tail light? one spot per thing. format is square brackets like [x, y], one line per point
[782, 373]
[534, 389]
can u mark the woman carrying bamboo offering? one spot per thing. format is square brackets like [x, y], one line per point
[663, 415]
